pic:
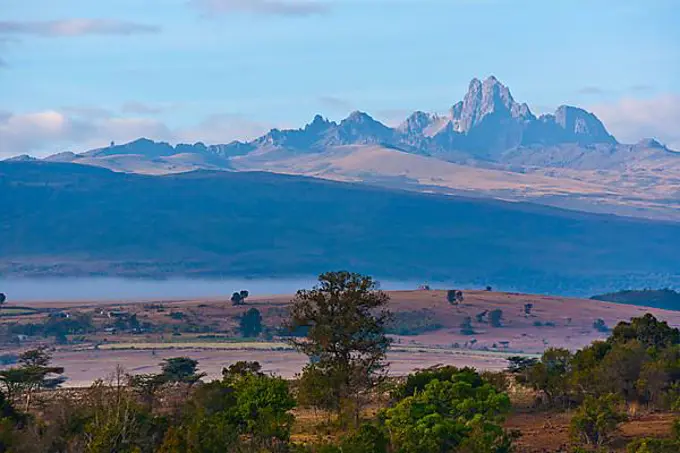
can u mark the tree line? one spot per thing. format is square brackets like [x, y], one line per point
[341, 326]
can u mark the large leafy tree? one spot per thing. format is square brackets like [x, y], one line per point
[460, 414]
[345, 316]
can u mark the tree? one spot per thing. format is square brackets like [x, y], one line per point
[596, 419]
[180, 370]
[3, 298]
[496, 318]
[600, 325]
[244, 295]
[236, 299]
[460, 414]
[519, 365]
[347, 316]
[466, 326]
[250, 323]
[454, 297]
[551, 374]
[528, 308]
[33, 374]
[649, 331]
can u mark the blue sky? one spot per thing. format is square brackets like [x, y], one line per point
[76, 74]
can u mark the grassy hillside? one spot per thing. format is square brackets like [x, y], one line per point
[657, 298]
[66, 219]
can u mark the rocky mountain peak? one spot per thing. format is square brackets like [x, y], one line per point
[582, 125]
[484, 99]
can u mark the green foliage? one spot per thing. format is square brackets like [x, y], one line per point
[33, 374]
[446, 415]
[180, 370]
[416, 382]
[550, 375]
[596, 419]
[250, 324]
[647, 330]
[369, 438]
[653, 446]
[346, 315]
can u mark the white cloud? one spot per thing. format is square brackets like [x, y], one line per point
[630, 119]
[141, 108]
[271, 7]
[78, 129]
[75, 27]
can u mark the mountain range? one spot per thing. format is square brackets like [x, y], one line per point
[486, 145]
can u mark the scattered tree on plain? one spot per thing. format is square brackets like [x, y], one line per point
[250, 324]
[346, 315]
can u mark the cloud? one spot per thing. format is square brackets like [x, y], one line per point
[141, 108]
[336, 103]
[75, 27]
[631, 119]
[268, 7]
[81, 128]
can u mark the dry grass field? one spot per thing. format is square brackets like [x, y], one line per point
[435, 324]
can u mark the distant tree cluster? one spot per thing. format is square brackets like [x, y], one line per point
[240, 297]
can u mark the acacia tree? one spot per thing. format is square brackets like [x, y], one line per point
[346, 316]
[33, 373]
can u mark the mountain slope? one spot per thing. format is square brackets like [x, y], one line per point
[68, 219]
[565, 159]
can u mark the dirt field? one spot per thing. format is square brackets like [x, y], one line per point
[553, 321]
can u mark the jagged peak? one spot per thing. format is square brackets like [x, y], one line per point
[358, 115]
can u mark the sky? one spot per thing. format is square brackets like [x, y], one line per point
[78, 74]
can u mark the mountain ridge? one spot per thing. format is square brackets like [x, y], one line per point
[566, 158]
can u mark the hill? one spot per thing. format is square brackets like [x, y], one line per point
[67, 219]
[657, 298]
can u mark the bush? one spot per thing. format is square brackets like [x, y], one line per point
[596, 419]
[369, 438]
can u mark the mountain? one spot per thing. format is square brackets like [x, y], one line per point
[487, 145]
[93, 221]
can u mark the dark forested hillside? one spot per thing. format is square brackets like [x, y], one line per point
[67, 219]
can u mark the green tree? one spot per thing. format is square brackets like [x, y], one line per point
[446, 414]
[551, 374]
[250, 323]
[263, 405]
[647, 330]
[3, 298]
[369, 438]
[180, 370]
[346, 315]
[596, 419]
[33, 374]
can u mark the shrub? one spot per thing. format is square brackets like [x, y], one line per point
[596, 419]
